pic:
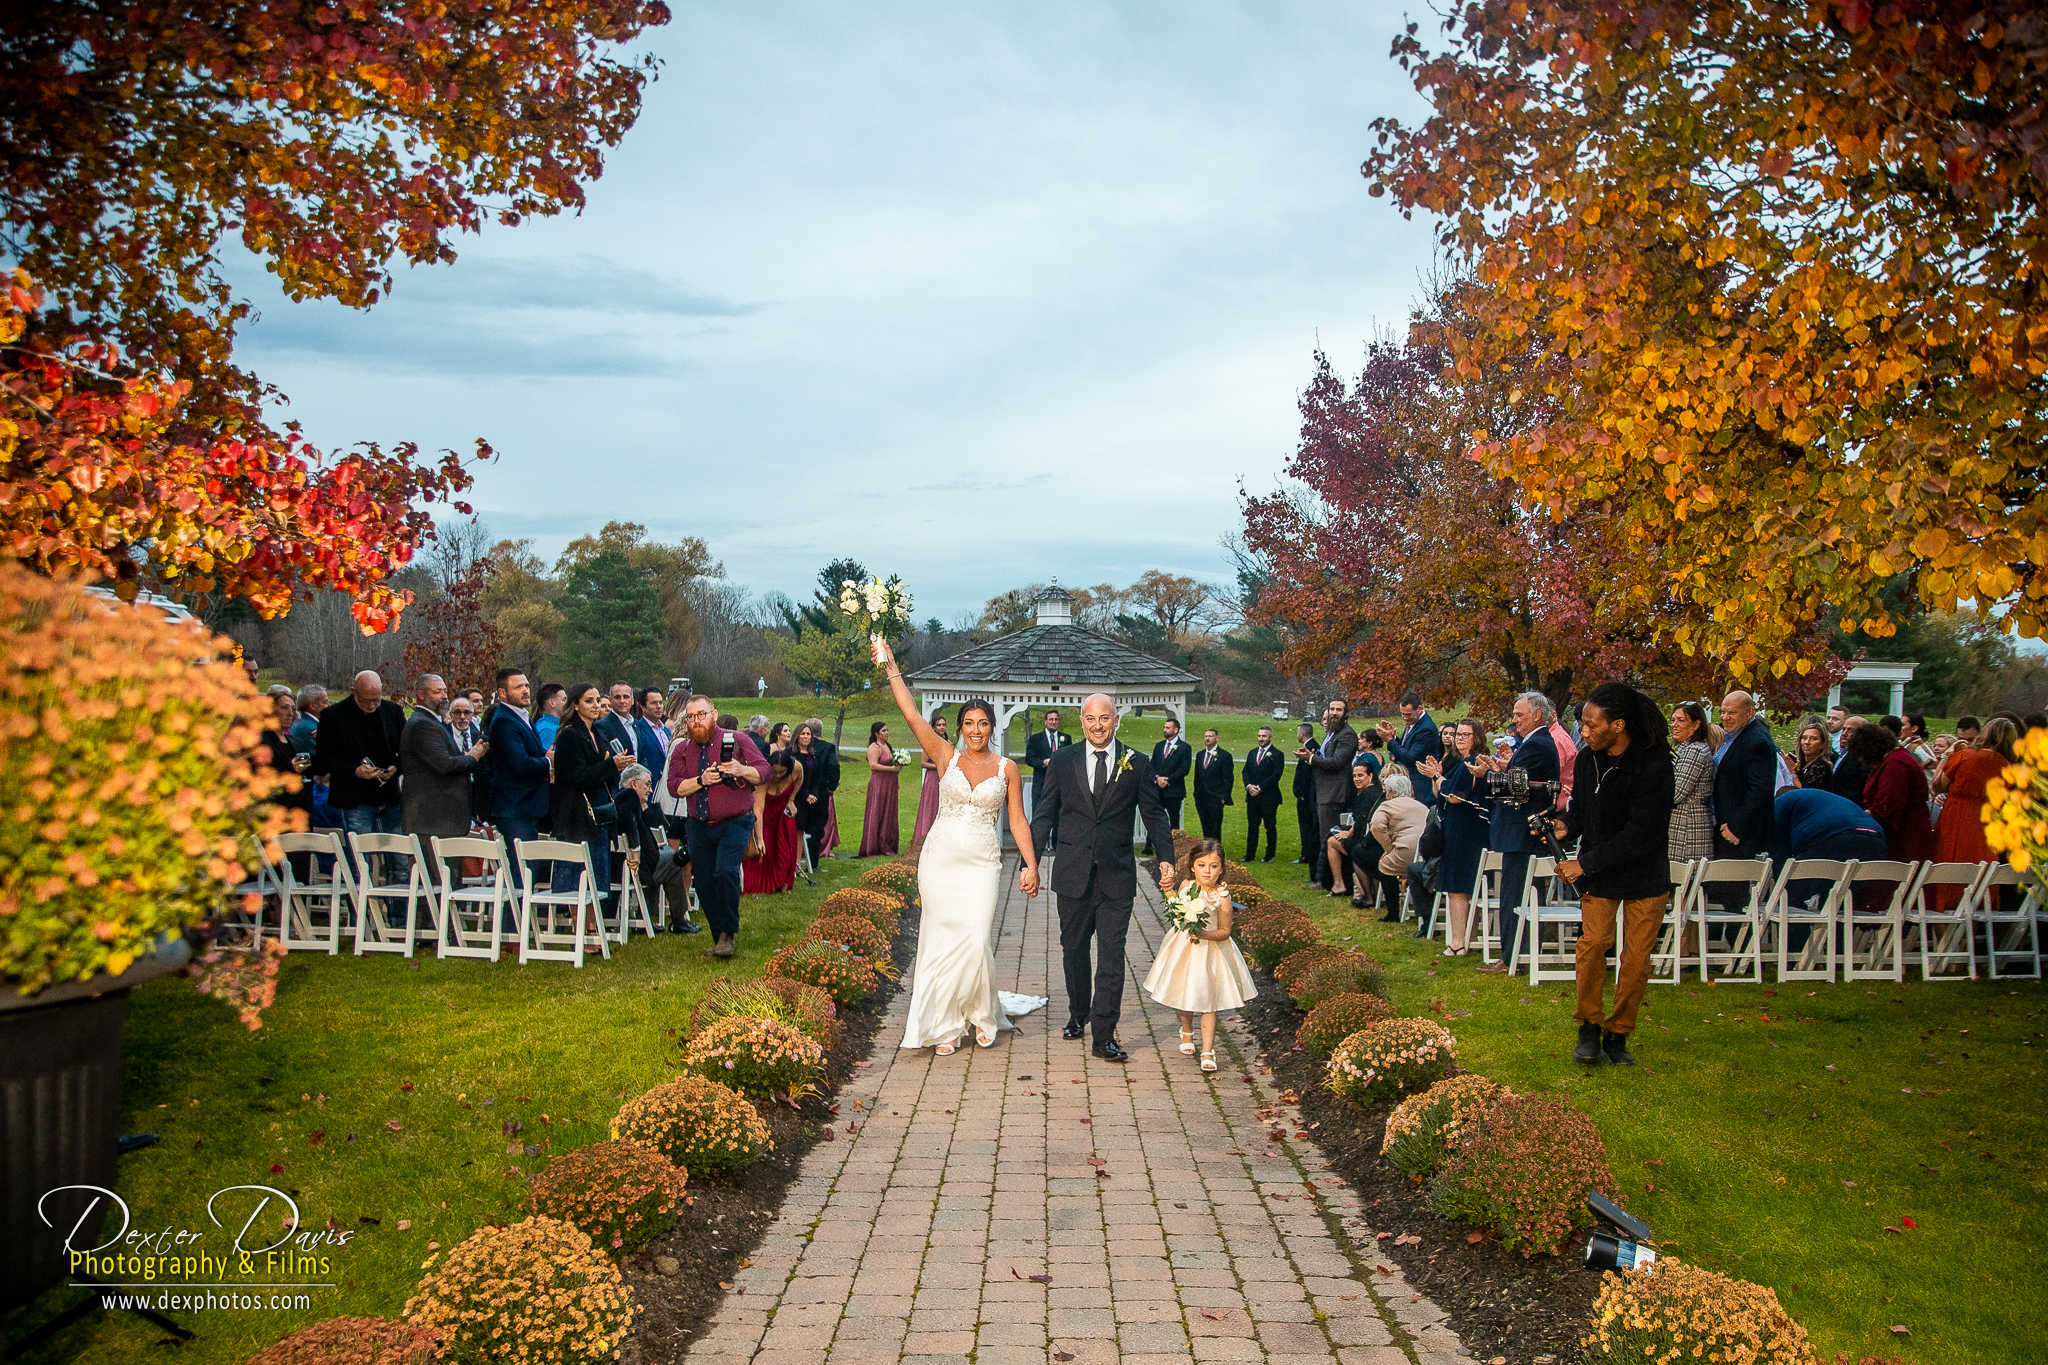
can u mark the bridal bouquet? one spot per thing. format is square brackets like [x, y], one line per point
[875, 606]
[1186, 911]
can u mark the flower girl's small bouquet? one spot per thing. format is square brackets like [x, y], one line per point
[1187, 912]
[874, 605]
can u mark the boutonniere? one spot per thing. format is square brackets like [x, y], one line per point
[1123, 762]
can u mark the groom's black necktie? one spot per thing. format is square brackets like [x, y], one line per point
[1101, 770]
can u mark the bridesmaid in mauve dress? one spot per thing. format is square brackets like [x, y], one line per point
[880, 830]
[928, 799]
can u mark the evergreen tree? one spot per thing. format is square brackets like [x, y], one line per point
[612, 624]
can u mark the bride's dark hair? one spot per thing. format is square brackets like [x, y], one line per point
[975, 704]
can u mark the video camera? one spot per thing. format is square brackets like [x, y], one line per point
[1513, 786]
[1608, 1251]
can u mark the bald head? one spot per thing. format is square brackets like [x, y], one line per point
[1098, 718]
[368, 689]
[1737, 709]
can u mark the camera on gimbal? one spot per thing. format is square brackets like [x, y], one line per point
[1513, 787]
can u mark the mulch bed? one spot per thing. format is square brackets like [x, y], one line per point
[1531, 1310]
[713, 1235]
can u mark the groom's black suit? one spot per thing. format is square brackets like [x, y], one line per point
[1095, 875]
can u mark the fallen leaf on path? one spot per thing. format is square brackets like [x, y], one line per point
[1218, 1317]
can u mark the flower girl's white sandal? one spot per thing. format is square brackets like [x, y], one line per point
[1187, 1042]
[1209, 1060]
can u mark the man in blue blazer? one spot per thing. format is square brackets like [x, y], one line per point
[1418, 741]
[652, 738]
[1745, 780]
[1508, 833]
[520, 798]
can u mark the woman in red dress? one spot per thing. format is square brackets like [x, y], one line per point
[880, 829]
[775, 869]
[928, 798]
[1959, 837]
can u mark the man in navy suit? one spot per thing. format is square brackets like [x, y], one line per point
[614, 731]
[1170, 762]
[520, 796]
[1264, 766]
[1509, 833]
[1215, 777]
[651, 737]
[1418, 741]
[1745, 780]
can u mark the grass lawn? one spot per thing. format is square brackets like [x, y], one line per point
[1774, 1134]
[448, 1051]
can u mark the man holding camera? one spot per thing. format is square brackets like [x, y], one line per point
[714, 773]
[1508, 833]
[1621, 816]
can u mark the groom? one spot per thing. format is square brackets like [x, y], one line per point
[1089, 792]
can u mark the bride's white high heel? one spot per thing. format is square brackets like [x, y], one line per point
[1187, 1042]
[984, 1039]
[947, 1049]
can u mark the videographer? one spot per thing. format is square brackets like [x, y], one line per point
[718, 784]
[1508, 830]
[1621, 816]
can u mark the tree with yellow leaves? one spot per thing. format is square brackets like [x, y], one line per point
[1789, 259]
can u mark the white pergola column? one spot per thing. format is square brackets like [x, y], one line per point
[1834, 696]
[1898, 699]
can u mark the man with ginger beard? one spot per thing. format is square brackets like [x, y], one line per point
[719, 799]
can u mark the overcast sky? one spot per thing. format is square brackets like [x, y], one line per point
[977, 294]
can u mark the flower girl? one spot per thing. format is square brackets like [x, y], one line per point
[1199, 969]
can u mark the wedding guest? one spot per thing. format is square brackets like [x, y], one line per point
[652, 738]
[778, 737]
[757, 726]
[1814, 757]
[1171, 760]
[553, 700]
[1850, 775]
[1040, 748]
[281, 757]
[1303, 790]
[928, 795]
[775, 828]
[614, 731]
[1959, 837]
[356, 749]
[1264, 766]
[584, 776]
[879, 827]
[312, 701]
[436, 790]
[1215, 779]
[1397, 826]
[1838, 718]
[1419, 739]
[1349, 847]
[645, 854]
[1332, 763]
[1508, 834]
[519, 791]
[466, 726]
[1691, 833]
[828, 761]
[1465, 811]
[813, 802]
[1895, 793]
[1966, 729]
[1745, 779]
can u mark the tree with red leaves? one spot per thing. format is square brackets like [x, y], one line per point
[1403, 563]
[333, 139]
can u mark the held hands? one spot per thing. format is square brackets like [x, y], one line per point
[1027, 882]
[1166, 879]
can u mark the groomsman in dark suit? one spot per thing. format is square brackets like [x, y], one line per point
[1304, 791]
[1039, 751]
[1170, 761]
[1263, 769]
[1215, 776]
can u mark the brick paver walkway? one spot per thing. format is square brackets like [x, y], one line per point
[1032, 1202]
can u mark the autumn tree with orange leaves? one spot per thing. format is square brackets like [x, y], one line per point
[1785, 265]
[332, 140]
[1395, 559]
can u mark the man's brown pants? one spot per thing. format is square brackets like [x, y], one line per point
[1645, 920]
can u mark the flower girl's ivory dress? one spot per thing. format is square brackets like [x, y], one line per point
[1198, 975]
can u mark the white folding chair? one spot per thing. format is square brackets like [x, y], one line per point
[473, 916]
[1485, 909]
[1924, 920]
[1742, 952]
[373, 934]
[1818, 915]
[1667, 957]
[2013, 935]
[540, 942]
[265, 886]
[1540, 907]
[632, 897]
[315, 912]
[1874, 943]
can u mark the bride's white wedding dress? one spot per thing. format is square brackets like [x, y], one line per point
[952, 985]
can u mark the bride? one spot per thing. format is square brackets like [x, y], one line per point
[952, 987]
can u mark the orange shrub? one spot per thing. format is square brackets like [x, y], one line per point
[536, 1293]
[353, 1341]
[1390, 1059]
[1271, 938]
[898, 877]
[757, 1057]
[620, 1193]
[1299, 964]
[699, 1125]
[847, 977]
[849, 931]
[1424, 1128]
[879, 906]
[1523, 1169]
[1672, 1311]
[1337, 1018]
[1351, 974]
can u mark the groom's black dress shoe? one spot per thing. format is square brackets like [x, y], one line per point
[1110, 1052]
[1074, 1032]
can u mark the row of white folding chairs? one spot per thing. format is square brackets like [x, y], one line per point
[1730, 943]
[466, 916]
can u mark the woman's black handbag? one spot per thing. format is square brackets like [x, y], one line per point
[603, 812]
